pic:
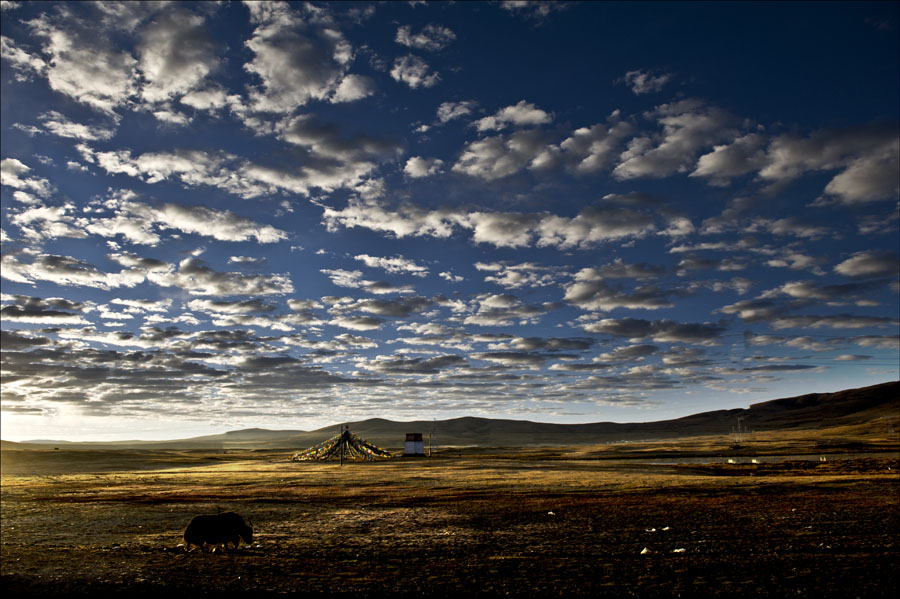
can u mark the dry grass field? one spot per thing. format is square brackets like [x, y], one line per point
[567, 521]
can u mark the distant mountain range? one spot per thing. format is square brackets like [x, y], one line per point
[814, 411]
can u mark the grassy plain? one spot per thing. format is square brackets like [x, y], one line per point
[597, 521]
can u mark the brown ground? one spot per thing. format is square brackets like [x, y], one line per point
[523, 524]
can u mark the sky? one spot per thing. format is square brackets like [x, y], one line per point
[226, 215]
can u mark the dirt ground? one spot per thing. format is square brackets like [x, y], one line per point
[78, 524]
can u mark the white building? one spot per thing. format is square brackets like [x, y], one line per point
[415, 446]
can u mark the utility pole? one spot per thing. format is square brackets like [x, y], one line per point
[431, 438]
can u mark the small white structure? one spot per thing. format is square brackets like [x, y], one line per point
[415, 446]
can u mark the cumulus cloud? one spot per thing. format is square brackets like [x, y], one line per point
[11, 171]
[192, 275]
[516, 276]
[175, 55]
[742, 155]
[790, 225]
[867, 156]
[327, 140]
[645, 82]
[449, 111]
[231, 307]
[328, 161]
[595, 224]
[414, 72]
[419, 365]
[353, 87]
[430, 38]
[49, 222]
[58, 124]
[618, 269]
[505, 310]
[43, 311]
[296, 59]
[522, 114]
[23, 62]
[353, 279]
[835, 321]
[407, 219]
[810, 290]
[590, 293]
[138, 223]
[592, 149]
[197, 278]
[868, 178]
[535, 9]
[687, 127]
[500, 156]
[592, 226]
[418, 167]
[82, 63]
[397, 308]
[357, 323]
[871, 263]
[395, 265]
[660, 331]
[686, 265]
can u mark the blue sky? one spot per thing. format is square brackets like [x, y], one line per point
[224, 215]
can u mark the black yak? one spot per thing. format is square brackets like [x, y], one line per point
[218, 530]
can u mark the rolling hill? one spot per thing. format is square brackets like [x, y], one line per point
[869, 406]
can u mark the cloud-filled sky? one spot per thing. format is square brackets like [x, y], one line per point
[224, 215]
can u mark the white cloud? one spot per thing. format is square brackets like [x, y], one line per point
[519, 115]
[418, 167]
[49, 222]
[688, 126]
[739, 157]
[353, 279]
[593, 225]
[23, 62]
[431, 38]
[196, 278]
[591, 149]
[333, 162]
[413, 71]
[867, 155]
[535, 9]
[449, 111]
[136, 222]
[357, 323]
[515, 276]
[83, 64]
[295, 60]
[503, 229]
[871, 263]
[868, 178]
[501, 155]
[835, 321]
[790, 225]
[353, 87]
[209, 98]
[661, 331]
[175, 55]
[591, 293]
[645, 82]
[395, 265]
[59, 124]
[11, 171]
